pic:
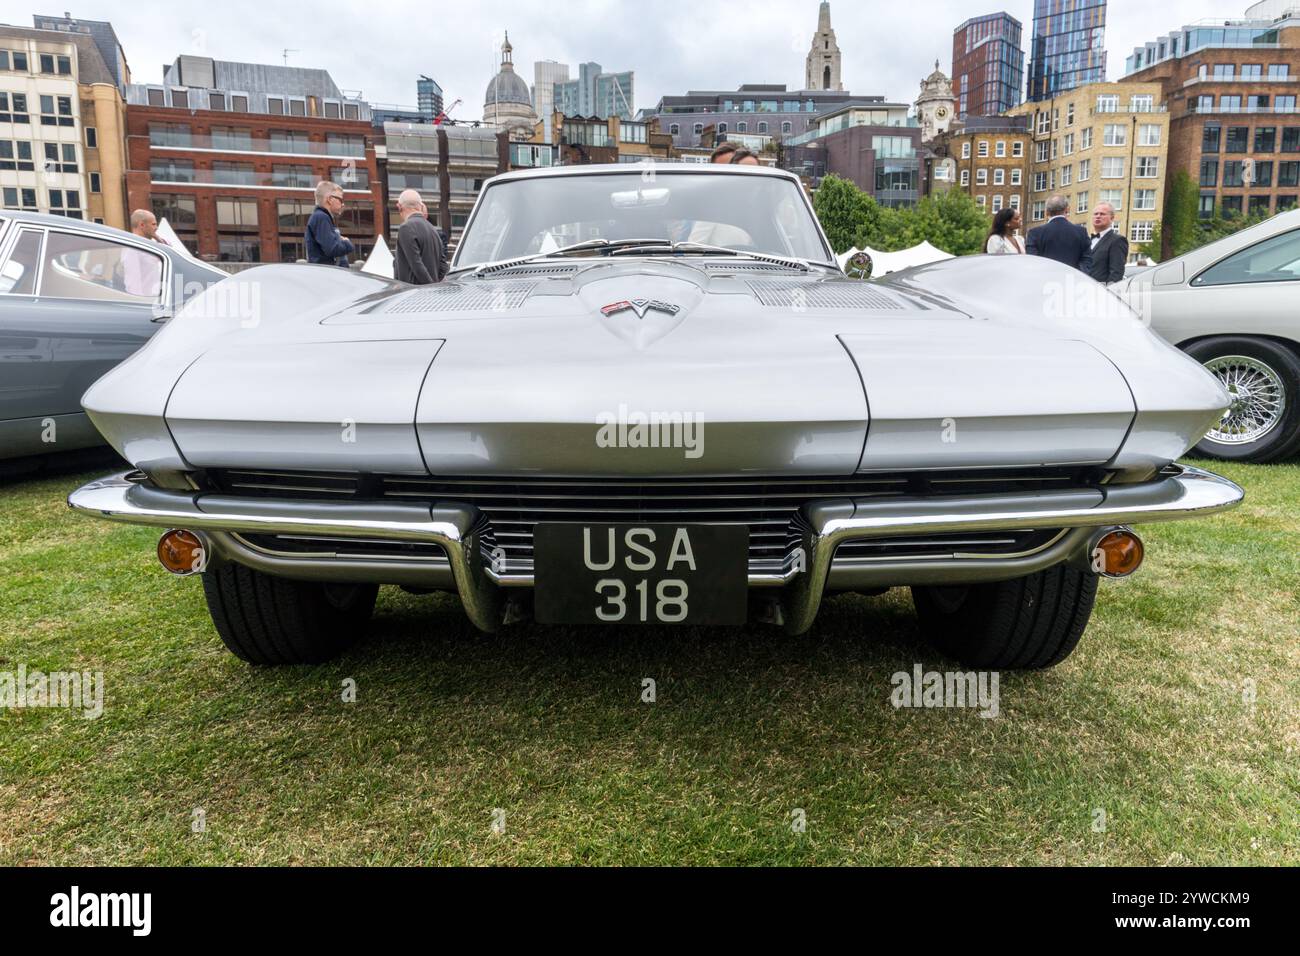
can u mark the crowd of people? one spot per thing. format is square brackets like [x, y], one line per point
[421, 256]
[1101, 255]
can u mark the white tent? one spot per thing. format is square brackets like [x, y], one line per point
[883, 263]
[380, 262]
[167, 234]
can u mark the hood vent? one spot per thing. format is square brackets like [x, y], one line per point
[820, 295]
[459, 298]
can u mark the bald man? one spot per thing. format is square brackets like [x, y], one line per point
[419, 249]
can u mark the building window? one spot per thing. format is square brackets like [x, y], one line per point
[1230, 206]
[60, 158]
[787, 127]
[1210, 172]
[674, 129]
[1041, 152]
[1015, 177]
[1015, 202]
[1113, 196]
[1115, 134]
[16, 155]
[1266, 139]
[293, 177]
[216, 101]
[1085, 170]
[1017, 150]
[1040, 182]
[699, 128]
[238, 103]
[1068, 146]
[742, 127]
[1149, 134]
[65, 202]
[982, 200]
[1291, 139]
[981, 177]
[352, 176]
[999, 177]
[965, 177]
[1000, 150]
[1223, 71]
[234, 174]
[1141, 103]
[1286, 202]
[1263, 174]
[18, 198]
[1142, 231]
[983, 150]
[965, 150]
[1237, 140]
[1288, 173]
[1066, 173]
[355, 146]
[997, 204]
[1148, 167]
[1284, 104]
[1230, 104]
[233, 138]
[331, 109]
[1210, 138]
[1085, 138]
[1069, 115]
[171, 170]
[1233, 175]
[1038, 212]
[94, 183]
[275, 105]
[722, 129]
[1144, 200]
[1108, 103]
[1081, 202]
[180, 99]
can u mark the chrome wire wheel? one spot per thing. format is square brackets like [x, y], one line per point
[1258, 399]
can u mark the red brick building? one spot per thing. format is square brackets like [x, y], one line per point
[1234, 121]
[234, 169]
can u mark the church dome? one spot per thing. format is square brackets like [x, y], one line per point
[507, 86]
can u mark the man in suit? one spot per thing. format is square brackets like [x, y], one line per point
[1109, 247]
[1061, 239]
[419, 248]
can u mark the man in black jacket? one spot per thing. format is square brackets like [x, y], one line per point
[419, 258]
[1109, 247]
[1061, 239]
[324, 243]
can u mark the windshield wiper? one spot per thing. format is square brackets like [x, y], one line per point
[584, 246]
[685, 246]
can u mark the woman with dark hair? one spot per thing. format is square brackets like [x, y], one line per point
[1002, 240]
[744, 157]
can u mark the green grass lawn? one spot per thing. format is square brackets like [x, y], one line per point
[1147, 722]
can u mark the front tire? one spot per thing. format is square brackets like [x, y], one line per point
[1263, 379]
[1027, 623]
[268, 620]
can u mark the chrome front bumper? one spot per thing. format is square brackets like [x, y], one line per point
[1178, 492]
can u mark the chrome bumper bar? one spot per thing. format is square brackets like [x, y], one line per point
[1178, 492]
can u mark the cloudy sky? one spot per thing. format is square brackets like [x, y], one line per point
[379, 48]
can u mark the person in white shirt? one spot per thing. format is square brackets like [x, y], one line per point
[1003, 239]
[142, 272]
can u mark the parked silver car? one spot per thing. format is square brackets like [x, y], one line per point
[650, 396]
[76, 298]
[1234, 306]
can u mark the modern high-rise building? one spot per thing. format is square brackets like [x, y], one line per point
[547, 73]
[1069, 47]
[988, 65]
[428, 98]
[596, 93]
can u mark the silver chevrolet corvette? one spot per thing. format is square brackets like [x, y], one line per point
[649, 396]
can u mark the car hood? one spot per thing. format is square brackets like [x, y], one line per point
[551, 369]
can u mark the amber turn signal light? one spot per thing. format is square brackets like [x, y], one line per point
[182, 552]
[1117, 554]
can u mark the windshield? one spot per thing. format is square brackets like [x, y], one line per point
[747, 213]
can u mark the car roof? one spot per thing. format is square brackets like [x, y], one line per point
[98, 229]
[667, 167]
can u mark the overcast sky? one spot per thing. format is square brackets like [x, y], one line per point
[378, 48]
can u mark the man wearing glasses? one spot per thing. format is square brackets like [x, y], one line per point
[325, 244]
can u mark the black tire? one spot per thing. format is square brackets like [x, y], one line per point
[1028, 623]
[268, 620]
[1283, 438]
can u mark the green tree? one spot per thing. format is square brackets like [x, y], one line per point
[1181, 211]
[843, 209]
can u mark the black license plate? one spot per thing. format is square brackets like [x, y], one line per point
[640, 574]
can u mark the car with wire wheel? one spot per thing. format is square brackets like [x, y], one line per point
[650, 397]
[1234, 306]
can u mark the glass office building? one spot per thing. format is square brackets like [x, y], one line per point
[1068, 48]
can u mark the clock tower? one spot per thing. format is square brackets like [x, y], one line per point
[936, 105]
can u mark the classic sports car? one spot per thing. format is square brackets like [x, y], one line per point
[1234, 306]
[649, 395]
[75, 299]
